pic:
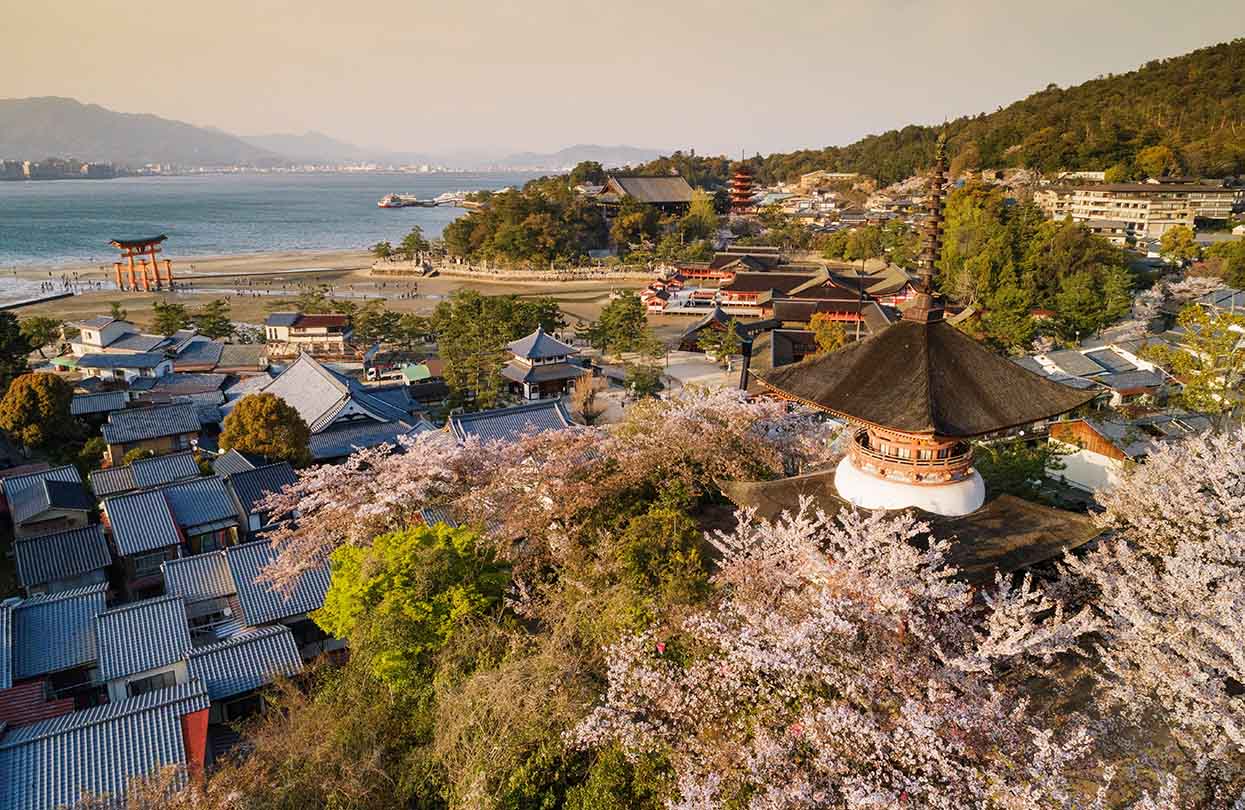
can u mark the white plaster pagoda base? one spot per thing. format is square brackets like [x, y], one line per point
[870, 492]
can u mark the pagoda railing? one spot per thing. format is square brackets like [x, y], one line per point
[957, 464]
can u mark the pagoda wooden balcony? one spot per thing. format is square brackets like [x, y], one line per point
[911, 458]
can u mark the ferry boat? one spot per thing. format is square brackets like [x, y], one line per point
[404, 201]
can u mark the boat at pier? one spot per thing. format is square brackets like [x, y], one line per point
[404, 201]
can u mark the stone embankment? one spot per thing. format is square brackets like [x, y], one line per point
[419, 268]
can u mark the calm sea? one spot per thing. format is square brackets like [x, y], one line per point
[70, 221]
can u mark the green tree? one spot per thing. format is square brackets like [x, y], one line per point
[643, 380]
[373, 323]
[136, 454]
[35, 411]
[169, 317]
[14, 349]
[1117, 294]
[41, 332]
[701, 220]
[1009, 321]
[412, 329]
[621, 325]
[116, 312]
[1119, 173]
[1179, 246]
[91, 456]
[721, 343]
[414, 243]
[587, 172]
[829, 333]
[1015, 468]
[212, 319]
[1229, 260]
[1158, 161]
[1079, 304]
[1211, 362]
[401, 599]
[382, 250]
[265, 425]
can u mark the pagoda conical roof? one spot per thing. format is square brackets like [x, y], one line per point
[925, 377]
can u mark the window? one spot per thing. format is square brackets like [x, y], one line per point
[148, 564]
[161, 680]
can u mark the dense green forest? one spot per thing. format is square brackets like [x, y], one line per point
[1193, 104]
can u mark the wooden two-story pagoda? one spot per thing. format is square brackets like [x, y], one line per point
[915, 393]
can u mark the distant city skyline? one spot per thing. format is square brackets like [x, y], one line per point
[459, 79]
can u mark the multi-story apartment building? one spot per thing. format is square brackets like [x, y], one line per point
[1148, 210]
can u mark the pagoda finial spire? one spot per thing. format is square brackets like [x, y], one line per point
[926, 306]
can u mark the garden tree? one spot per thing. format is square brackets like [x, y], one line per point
[1015, 468]
[1166, 586]
[116, 312]
[41, 332]
[91, 456]
[212, 319]
[1211, 362]
[1158, 161]
[585, 400]
[587, 172]
[1117, 294]
[722, 344]
[401, 599]
[829, 333]
[621, 325]
[1008, 320]
[643, 380]
[1228, 259]
[701, 221]
[266, 425]
[844, 667]
[14, 349]
[472, 332]
[136, 454]
[634, 224]
[372, 323]
[412, 329]
[35, 411]
[169, 317]
[413, 243]
[382, 249]
[1179, 246]
[1079, 305]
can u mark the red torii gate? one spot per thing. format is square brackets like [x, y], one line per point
[143, 276]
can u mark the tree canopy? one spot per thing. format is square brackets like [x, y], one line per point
[266, 425]
[35, 411]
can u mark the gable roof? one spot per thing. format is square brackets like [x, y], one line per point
[252, 486]
[46, 494]
[245, 662]
[141, 636]
[540, 345]
[340, 440]
[17, 484]
[201, 352]
[61, 555]
[200, 502]
[112, 481]
[140, 424]
[508, 424]
[55, 632]
[924, 377]
[319, 395]
[654, 190]
[140, 360]
[260, 603]
[199, 577]
[151, 472]
[141, 522]
[230, 463]
[51, 764]
[105, 402]
[764, 282]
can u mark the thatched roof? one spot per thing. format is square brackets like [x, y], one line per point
[925, 377]
[1006, 534]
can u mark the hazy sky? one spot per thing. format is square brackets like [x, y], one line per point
[542, 74]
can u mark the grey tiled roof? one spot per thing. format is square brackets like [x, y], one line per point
[199, 577]
[252, 486]
[1111, 361]
[140, 522]
[61, 555]
[84, 404]
[55, 632]
[432, 515]
[199, 353]
[46, 494]
[101, 750]
[152, 472]
[344, 438]
[200, 501]
[260, 603]
[540, 346]
[230, 463]
[320, 394]
[241, 355]
[135, 342]
[1129, 380]
[1074, 363]
[245, 662]
[138, 424]
[520, 372]
[141, 360]
[97, 322]
[181, 383]
[282, 318]
[141, 636]
[112, 480]
[13, 487]
[507, 424]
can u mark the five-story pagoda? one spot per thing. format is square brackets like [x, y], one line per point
[741, 188]
[916, 392]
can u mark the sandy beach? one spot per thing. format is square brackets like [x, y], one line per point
[252, 282]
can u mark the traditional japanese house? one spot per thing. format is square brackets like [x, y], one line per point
[47, 501]
[916, 393]
[161, 429]
[540, 366]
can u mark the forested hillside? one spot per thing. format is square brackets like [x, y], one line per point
[1193, 104]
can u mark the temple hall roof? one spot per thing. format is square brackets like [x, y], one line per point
[926, 378]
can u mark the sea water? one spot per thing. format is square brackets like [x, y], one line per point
[64, 222]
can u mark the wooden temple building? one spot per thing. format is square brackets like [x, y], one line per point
[916, 393]
[143, 264]
[541, 366]
[742, 183]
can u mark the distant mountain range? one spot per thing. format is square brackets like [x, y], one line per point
[36, 128]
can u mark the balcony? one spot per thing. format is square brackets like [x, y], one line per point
[954, 466]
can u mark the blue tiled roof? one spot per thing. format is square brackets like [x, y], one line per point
[260, 603]
[252, 486]
[140, 636]
[200, 353]
[83, 404]
[245, 662]
[140, 522]
[200, 501]
[6, 643]
[15, 486]
[342, 439]
[540, 346]
[112, 480]
[231, 463]
[51, 764]
[55, 632]
[152, 472]
[142, 360]
[507, 424]
[61, 555]
[199, 577]
[48, 494]
[138, 424]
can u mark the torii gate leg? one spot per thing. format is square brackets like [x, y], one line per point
[117, 267]
[155, 265]
[168, 271]
[133, 276]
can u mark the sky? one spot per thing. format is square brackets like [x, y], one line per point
[497, 76]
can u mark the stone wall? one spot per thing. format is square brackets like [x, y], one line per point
[417, 269]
